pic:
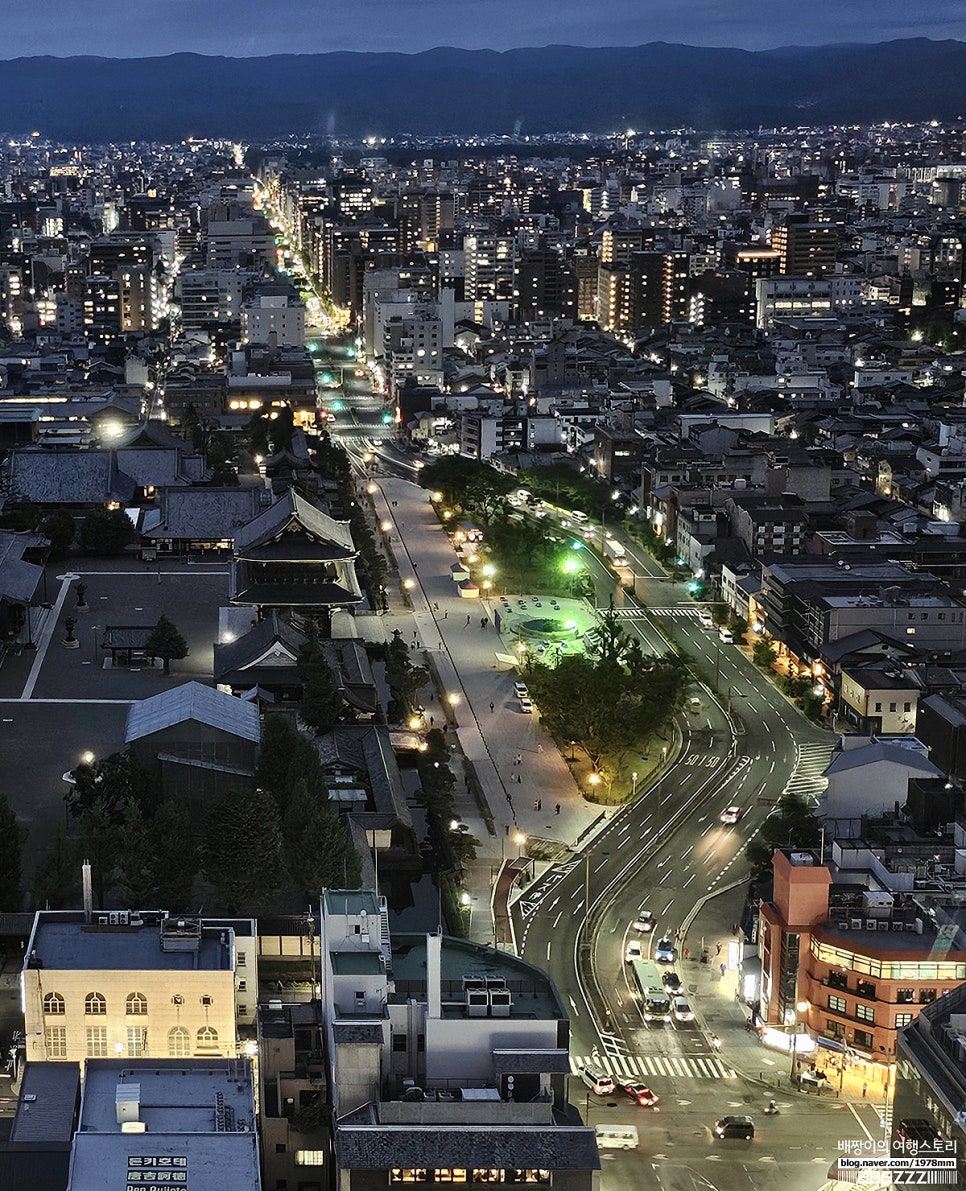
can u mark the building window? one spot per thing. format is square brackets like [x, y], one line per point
[137, 1042]
[55, 1040]
[206, 1000]
[907, 707]
[280, 1147]
[177, 999]
[136, 1005]
[179, 1043]
[243, 986]
[310, 1157]
[865, 988]
[54, 1004]
[838, 980]
[865, 1013]
[864, 1039]
[207, 1038]
[878, 706]
[903, 1019]
[838, 1004]
[95, 1005]
[905, 996]
[240, 960]
[893, 706]
[97, 1042]
[927, 996]
[834, 1029]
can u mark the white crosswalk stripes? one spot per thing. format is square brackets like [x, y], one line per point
[635, 1067]
[643, 613]
[807, 781]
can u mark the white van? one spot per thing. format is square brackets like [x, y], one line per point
[597, 1079]
[578, 515]
[726, 636]
[617, 1137]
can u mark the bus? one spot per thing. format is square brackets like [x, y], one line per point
[655, 1002]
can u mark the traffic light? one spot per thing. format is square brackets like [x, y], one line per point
[327, 378]
[387, 418]
[694, 587]
[350, 353]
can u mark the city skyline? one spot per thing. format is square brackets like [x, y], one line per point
[142, 29]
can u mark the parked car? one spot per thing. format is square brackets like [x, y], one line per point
[665, 952]
[735, 1127]
[633, 950]
[644, 922]
[682, 1010]
[641, 1094]
[526, 705]
[730, 815]
[520, 690]
[672, 982]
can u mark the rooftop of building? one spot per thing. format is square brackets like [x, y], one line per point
[169, 1095]
[46, 1109]
[127, 941]
[533, 993]
[214, 1161]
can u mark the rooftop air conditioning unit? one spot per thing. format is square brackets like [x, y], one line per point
[856, 923]
[898, 926]
[871, 924]
[477, 1003]
[842, 925]
[500, 1003]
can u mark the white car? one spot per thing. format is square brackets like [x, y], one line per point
[644, 922]
[526, 705]
[682, 1010]
[633, 950]
[520, 690]
[730, 815]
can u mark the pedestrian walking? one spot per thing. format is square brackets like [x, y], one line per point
[519, 779]
[435, 606]
[432, 720]
[724, 968]
[483, 622]
[687, 953]
[508, 797]
[445, 614]
[865, 1088]
[468, 618]
[717, 948]
[441, 647]
[536, 805]
[539, 804]
[539, 748]
[492, 705]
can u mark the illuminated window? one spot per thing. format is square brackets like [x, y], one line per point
[55, 1040]
[137, 1042]
[207, 1038]
[310, 1157]
[97, 1042]
[95, 1005]
[179, 1043]
[54, 1004]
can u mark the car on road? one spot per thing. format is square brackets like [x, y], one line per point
[526, 705]
[682, 1010]
[726, 636]
[644, 922]
[598, 1080]
[633, 950]
[665, 952]
[578, 515]
[742, 1128]
[706, 620]
[730, 815]
[694, 704]
[672, 982]
[641, 1094]
[520, 690]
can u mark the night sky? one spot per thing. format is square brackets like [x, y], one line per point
[243, 28]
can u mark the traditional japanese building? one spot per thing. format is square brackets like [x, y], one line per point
[295, 557]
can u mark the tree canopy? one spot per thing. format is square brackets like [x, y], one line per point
[166, 643]
[242, 849]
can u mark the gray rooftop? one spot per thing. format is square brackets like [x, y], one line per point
[382, 1147]
[211, 1161]
[63, 942]
[192, 701]
[173, 1095]
[49, 1096]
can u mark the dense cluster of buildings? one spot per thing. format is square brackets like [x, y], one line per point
[757, 342]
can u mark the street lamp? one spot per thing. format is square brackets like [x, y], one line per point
[87, 757]
[634, 784]
[519, 839]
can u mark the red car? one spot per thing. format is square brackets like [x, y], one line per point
[641, 1094]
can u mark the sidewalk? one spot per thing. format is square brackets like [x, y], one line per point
[719, 1009]
[477, 697]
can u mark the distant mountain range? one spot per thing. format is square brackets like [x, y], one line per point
[529, 91]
